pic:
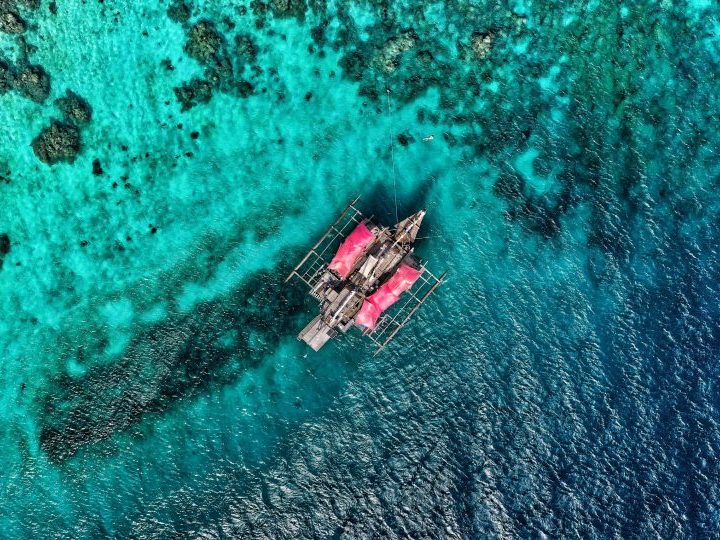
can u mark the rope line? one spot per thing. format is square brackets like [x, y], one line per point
[392, 153]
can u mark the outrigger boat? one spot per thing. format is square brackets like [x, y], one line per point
[373, 268]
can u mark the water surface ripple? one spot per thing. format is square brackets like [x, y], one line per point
[163, 166]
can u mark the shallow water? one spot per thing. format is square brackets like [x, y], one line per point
[563, 382]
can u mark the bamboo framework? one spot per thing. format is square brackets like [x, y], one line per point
[311, 267]
[395, 319]
[314, 264]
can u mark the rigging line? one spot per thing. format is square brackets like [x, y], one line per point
[427, 237]
[392, 152]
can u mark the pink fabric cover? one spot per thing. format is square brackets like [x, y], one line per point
[351, 249]
[403, 278]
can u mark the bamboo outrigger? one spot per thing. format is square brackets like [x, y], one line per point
[374, 268]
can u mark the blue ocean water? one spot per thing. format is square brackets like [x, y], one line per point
[562, 383]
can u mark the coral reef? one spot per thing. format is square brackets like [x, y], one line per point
[33, 83]
[481, 43]
[246, 49]
[11, 22]
[4, 244]
[388, 58]
[208, 46]
[204, 42]
[59, 142]
[288, 8]
[193, 93]
[6, 77]
[190, 355]
[179, 11]
[75, 108]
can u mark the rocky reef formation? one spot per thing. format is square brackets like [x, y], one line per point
[22, 76]
[179, 11]
[246, 49]
[75, 108]
[388, 57]
[4, 244]
[6, 77]
[33, 82]
[481, 44]
[59, 142]
[11, 22]
[193, 93]
[188, 355]
[204, 43]
[288, 8]
[223, 65]
[4, 247]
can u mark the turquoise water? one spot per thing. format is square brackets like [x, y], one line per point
[563, 382]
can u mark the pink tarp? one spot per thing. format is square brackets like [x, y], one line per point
[403, 278]
[349, 251]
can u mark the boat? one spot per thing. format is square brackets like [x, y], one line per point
[366, 276]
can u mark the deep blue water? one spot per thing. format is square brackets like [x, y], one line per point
[562, 383]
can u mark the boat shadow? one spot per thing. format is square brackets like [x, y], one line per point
[381, 200]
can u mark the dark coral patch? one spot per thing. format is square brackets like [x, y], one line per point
[354, 65]
[97, 169]
[405, 139]
[179, 11]
[317, 33]
[204, 42]
[193, 93]
[6, 77]
[245, 89]
[289, 8]
[33, 82]
[246, 48]
[4, 244]
[75, 108]
[10, 21]
[59, 142]
[208, 46]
